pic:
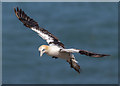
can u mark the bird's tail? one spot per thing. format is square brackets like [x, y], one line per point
[73, 64]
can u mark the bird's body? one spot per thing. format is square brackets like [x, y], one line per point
[55, 48]
[54, 51]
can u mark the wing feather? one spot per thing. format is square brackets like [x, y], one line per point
[83, 52]
[30, 23]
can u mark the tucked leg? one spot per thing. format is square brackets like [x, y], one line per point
[54, 57]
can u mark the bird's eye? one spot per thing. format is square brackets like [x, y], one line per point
[43, 50]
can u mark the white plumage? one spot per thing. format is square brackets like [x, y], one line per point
[55, 49]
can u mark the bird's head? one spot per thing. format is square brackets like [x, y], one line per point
[43, 49]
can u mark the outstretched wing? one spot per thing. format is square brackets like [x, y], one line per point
[30, 23]
[83, 52]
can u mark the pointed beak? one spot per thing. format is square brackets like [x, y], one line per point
[41, 53]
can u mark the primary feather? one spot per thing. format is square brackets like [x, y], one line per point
[30, 23]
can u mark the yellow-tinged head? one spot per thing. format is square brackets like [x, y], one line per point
[42, 49]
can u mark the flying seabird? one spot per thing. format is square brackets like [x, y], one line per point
[55, 48]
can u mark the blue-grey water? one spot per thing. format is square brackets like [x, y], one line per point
[89, 26]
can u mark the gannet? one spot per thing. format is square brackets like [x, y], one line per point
[55, 48]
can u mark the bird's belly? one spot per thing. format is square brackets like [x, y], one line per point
[59, 55]
[55, 51]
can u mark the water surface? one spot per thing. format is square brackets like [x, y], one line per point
[89, 26]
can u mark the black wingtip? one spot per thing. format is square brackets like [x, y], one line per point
[25, 19]
[17, 9]
[100, 55]
[91, 54]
